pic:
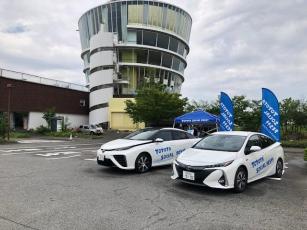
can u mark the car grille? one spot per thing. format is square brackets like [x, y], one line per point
[106, 162]
[121, 159]
[200, 173]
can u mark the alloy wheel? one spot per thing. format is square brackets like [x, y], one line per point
[241, 180]
[279, 168]
[143, 163]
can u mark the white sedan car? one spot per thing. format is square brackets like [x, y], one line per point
[228, 160]
[145, 148]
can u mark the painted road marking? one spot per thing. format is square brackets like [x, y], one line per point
[39, 141]
[94, 159]
[58, 146]
[274, 178]
[45, 151]
[19, 150]
[68, 147]
[56, 154]
[58, 158]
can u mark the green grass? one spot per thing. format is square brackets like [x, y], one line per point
[295, 143]
[305, 154]
[16, 135]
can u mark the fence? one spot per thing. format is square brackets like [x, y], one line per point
[41, 80]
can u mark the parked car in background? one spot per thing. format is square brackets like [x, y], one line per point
[230, 160]
[145, 148]
[91, 129]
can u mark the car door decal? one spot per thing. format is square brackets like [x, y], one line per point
[164, 153]
[260, 164]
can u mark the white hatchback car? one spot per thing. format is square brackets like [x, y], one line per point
[228, 160]
[145, 148]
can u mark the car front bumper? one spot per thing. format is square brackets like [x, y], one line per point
[210, 177]
[113, 159]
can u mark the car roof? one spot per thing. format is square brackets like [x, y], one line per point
[172, 129]
[237, 133]
[166, 128]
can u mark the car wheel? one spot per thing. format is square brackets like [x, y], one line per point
[142, 163]
[240, 180]
[279, 168]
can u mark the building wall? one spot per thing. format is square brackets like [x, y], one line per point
[118, 118]
[26, 96]
[101, 76]
[36, 119]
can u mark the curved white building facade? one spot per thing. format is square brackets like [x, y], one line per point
[126, 43]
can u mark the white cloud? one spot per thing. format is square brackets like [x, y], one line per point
[236, 46]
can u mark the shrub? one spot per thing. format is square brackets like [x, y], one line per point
[20, 135]
[305, 154]
[62, 134]
[42, 130]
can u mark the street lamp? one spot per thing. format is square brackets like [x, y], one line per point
[9, 87]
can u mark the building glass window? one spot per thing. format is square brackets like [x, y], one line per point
[141, 55]
[154, 58]
[127, 55]
[139, 37]
[149, 38]
[109, 18]
[176, 63]
[131, 37]
[154, 15]
[119, 20]
[163, 41]
[167, 60]
[173, 45]
[181, 48]
[114, 21]
[171, 19]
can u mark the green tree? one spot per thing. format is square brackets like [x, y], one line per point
[155, 106]
[213, 107]
[48, 115]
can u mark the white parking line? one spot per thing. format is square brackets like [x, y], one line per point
[58, 158]
[41, 151]
[273, 178]
[57, 146]
[70, 147]
[39, 141]
[94, 159]
[55, 154]
[19, 150]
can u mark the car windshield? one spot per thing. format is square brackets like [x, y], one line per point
[143, 134]
[227, 143]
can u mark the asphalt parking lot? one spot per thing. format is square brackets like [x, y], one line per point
[58, 185]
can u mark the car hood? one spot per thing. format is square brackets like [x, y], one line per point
[199, 157]
[123, 143]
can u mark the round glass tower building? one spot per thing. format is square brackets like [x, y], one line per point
[126, 43]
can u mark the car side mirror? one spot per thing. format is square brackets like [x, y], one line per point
[254, 148]
[159, 140]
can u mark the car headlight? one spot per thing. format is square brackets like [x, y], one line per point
[124, 148]
[225, 164]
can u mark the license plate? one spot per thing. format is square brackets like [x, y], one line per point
[188, 175]
[101, 158]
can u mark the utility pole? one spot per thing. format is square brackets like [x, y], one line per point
[9, 87]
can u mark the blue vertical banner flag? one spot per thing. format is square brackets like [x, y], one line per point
[270, 115]
[226, 113]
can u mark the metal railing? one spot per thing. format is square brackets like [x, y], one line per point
[41, 80]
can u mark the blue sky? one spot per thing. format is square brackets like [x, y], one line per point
[236, 46]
